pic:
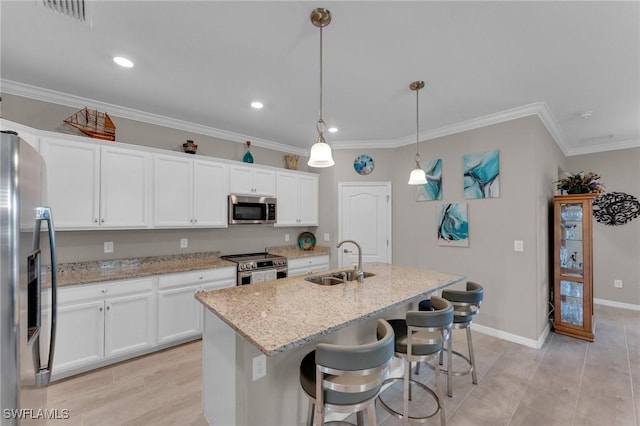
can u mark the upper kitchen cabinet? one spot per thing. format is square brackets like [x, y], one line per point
[91, 185]
[249, 180]
[297, 196]
[189, 192]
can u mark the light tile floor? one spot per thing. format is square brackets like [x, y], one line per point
[568, 382]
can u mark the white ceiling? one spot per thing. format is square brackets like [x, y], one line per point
[199, 64]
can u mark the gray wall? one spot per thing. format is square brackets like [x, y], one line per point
[616, 249]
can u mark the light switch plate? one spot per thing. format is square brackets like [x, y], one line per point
[108, 246]
[617, 283]
[286, 237]
[327, 236]
[518, 245]
[184, 242]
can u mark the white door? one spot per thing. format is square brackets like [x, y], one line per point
[129, 324]
[365, 217]
[210, 190]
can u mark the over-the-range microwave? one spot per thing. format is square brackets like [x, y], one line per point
[247, 209]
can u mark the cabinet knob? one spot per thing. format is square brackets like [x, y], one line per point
[195, 220]
[102, 220]
[95, 220]
[108, 307]
[104, 290]
[100, 309]
[200, 278]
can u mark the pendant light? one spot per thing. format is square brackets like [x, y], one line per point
[417, 176]
[320, 155]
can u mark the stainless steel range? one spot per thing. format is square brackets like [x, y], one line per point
[258, 267]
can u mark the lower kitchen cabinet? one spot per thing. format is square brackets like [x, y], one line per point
[98, 322]
[307, 265]
[179, 313]
[107, 322]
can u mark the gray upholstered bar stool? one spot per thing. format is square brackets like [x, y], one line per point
[421, 337]
[347, 379]
[466, 304]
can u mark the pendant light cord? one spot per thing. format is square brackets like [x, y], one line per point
[320, 125]
[417, 129]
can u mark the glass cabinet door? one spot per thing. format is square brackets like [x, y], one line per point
[573, 295]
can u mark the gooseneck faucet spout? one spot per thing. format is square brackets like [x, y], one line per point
[360, 271]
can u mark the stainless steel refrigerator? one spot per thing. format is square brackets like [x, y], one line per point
[25, 366]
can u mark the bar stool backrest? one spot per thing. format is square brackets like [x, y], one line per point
[466, 303]
[430, 328]
[355, 369]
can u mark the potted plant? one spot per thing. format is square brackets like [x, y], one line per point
[580, 183]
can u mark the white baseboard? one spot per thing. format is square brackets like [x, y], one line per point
[615, 304]
[536, 344]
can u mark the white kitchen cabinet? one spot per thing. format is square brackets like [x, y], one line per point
[179, 313]
[297, 196]
[189, 192]
[102, 321]
[307, 265]
[250, 180]
[92, 186]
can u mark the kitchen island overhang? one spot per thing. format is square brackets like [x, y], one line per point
[285, 319]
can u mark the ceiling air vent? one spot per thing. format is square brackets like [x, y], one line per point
[75, 9]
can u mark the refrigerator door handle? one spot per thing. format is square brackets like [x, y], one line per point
[43, 373]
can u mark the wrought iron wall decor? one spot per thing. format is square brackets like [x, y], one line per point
[615, 208]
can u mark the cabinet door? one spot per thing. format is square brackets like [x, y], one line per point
[240, 180]
[264, 182]
[73, 182]
[210, 190]
[287, 195]
[124, 188]
[173, 191]
[178, 315]
[80, 335]
[307, 200]
[129, 324]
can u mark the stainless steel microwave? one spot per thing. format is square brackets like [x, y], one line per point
[247, 209]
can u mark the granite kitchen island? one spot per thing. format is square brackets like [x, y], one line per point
[284, 320]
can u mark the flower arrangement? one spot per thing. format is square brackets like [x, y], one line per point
[580, 183]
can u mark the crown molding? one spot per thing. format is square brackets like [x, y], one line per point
[540, 109]
[613, 146]
[47, 95]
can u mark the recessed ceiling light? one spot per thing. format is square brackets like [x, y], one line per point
[332, 129]
[123, 62]
[256, 105]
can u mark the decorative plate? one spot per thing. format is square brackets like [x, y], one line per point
[306, 241]
[363, 164]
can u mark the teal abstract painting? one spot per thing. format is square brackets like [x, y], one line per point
[453, 225]
[481, 175]
[432, 190]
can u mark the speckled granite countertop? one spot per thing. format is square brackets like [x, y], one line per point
[108, 270]
[277, 316]
[295, 251]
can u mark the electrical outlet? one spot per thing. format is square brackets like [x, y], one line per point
[518, 245]
[617, 283]
[184, 242]
[259, 367]
[286, 237]
[327, 236]
[108, 246]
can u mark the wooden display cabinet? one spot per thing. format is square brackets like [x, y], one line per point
[573, 266]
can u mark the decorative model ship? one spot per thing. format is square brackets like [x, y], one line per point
[93, 123]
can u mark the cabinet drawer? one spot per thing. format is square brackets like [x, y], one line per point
[202, 276]
[301, 262]
[104, 290]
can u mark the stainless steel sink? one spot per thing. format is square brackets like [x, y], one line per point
[337, 277]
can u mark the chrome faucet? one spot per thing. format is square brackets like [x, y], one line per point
[360, 272]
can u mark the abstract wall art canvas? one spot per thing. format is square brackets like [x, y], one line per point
[453, 225]
[432, 190]
[481, 175]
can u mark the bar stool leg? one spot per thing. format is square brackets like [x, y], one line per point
[371, 412]
[443, 417]
[449, 364]
[310, 411]
[406, 393]
[471, 357]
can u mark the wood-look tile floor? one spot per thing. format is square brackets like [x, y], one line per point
[568, 382]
